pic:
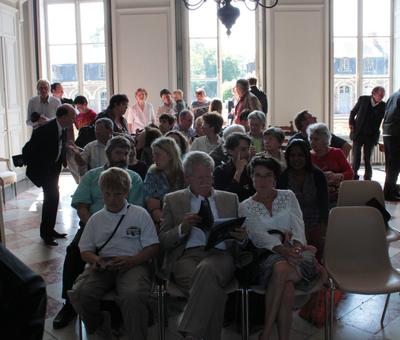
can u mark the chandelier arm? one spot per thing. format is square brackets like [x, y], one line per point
[258, 3]
[194, 6]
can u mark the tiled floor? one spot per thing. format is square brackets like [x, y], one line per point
[358, 315]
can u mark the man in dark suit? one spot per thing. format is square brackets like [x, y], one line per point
[44, 154]
[262, 97]
[364, 122]
[391, 139]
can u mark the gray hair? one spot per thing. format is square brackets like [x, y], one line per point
[117, 142]
[193, 158]
[42, 81]
[107, 123]
[257, 115]
[233, 128]
[321, 130]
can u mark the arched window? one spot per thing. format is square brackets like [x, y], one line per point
[72, 34]
[361, 53]
[216, 59]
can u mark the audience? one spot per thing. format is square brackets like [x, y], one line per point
[275, 227]
[185, 122]
[42, 107]
[216, 106]
[180, 140]
[201, 274]
[143, 144]
[115, 111]
[86, 115]
[167, 122]
[212, 127]
[247, 100]
[273, 139]
[164, 176]
[257, 126]
[93, 154]
[232, 176]
[311, 189]
[87, 200]
[303, 120]
[201, 104]
[167, 105]
[135, 164]
[218, 154]
[198, 127]
[179, 102]
[120, 263]
[141, 114]
[330, 160]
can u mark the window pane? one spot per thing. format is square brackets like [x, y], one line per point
[203, 58]
[92, 22]
[61, 24]
[94, 61]
[369, 83]
[345, 56]
[63, 63]
[96, 94]
[345, 18]
[344, 95]
[376, 56]
[376, 17]
[203, 21]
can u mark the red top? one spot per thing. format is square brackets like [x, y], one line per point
[85, 118]
[334, 161]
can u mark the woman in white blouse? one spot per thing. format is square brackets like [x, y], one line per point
[141, 114]
[275, 227]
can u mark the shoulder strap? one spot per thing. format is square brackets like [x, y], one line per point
[113, 233]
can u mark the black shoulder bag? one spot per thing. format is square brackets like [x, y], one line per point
[112, 234]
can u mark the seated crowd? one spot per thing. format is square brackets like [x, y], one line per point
[145, 176]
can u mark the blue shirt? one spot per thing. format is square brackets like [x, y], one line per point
[88, 190]
[156, 185]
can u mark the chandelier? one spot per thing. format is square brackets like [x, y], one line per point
[227, 13]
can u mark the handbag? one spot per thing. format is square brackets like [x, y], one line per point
[97, 251]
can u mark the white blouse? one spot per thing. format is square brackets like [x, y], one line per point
[140, 119]
[286, 216]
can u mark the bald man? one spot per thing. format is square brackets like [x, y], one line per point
[45, 154]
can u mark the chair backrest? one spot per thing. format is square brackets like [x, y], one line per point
[355, 241]
[353, 193]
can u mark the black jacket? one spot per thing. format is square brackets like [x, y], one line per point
[262, 97]
[391, 121]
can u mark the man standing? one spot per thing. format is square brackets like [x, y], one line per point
[42, 107]
[44, 155]
[87, 200]
[262, 97]
[391, 139]
[247, 100]
[364, 122]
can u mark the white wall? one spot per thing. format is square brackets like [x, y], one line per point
[143, 45]
[298, 59]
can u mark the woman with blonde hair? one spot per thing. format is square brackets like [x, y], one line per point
[164, 176]
[141, 114]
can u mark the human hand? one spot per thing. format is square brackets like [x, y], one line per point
[239, 234]
[42, 119]
[290, 253]
[99, 264]
[120, 262]
[189, 220]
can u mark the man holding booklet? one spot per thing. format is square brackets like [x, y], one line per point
[194, 222]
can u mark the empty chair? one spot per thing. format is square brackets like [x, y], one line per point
[356, 255]
[358, 193]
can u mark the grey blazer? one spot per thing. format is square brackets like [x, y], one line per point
[176, 205]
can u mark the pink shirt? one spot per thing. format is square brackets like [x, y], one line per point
[334, 161]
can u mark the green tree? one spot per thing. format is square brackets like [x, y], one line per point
[230, 68]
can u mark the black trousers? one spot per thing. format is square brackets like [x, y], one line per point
[367, 143]
[51, 196]
[73, 263]
[392, 160]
